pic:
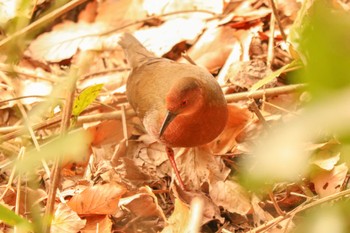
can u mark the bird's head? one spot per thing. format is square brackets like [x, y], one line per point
[184, 98]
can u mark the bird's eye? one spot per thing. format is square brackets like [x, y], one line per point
[184, 103]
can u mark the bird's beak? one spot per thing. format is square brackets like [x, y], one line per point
[168, 118]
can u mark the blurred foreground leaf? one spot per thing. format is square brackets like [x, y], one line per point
[73, 144]
[325, 45]
[12, 219]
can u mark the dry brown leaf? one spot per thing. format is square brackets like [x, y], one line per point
[66, 38]
[161, 7]
[160, 40]
[237, 120]
[143, 204]
[98, 199]
[64, 41]
[10, 197]
[66, 220]
[213, 48]
[330, 182]
[132, 173]
[37, 87]
[105, 172]
[89, 13]
[327, 155]
[325, 160]
[107, 132]
[210, 210]
[239, 53]
[99, 223]
[150, 157]
[178, 222]
[231, 196]
[289, 8]
[197, 165]
[259, 215]
[121, 12]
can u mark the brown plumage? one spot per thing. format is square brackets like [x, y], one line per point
[187, 94]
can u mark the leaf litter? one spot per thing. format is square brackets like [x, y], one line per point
[126, 184]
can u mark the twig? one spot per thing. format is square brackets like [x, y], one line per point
[299, 209]
[153, 17]
[279, 108]
[274, 10]
[105, 71]
[125, 127]
[24, 97]
[270, 50]
[275, 204]
[266, 92]
[28, 72]
[188, 58]
[56, 170]
[18, 194]
[254, 108]
[57, 119]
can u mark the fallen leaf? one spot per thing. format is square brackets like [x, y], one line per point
[197, 165]
[325, 160]
[121, 12]
[238, 118]
[10, 195]
[160, 40]
[151, 158]
[98, 199]
[179, 220]
[259, 214]
[64, 41]
[326, 155]
[213, 48]
[231, 196]
[66, 220]
[210, 210]
[143, 204]
[107, 132]
[155, 7]
[98, 223]
[330, 182]
[133, 173]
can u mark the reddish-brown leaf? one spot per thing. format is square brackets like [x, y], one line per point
[98, 199]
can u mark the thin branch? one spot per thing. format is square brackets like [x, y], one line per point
[188, 58]
[254, 108]
[153, 17]
[270, 48]
[266, 92]
[29, 73]
[299, 209]
[56, 170]
[274, 10]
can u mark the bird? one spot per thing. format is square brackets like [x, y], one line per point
[179, 104]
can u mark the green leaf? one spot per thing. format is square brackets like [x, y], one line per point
[85, 98]
[12, 219]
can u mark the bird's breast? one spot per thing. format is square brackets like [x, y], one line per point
[196, 129]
